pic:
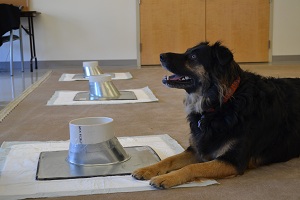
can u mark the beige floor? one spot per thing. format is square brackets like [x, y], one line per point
[32, 120]
[12, 87]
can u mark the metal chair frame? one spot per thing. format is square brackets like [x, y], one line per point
[11, 38]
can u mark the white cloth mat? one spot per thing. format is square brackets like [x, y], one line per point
[17, 179]
[65, 97]
[117, 76]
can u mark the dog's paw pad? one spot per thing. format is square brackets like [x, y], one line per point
[158, 186]
[163, 182]
[144, 173]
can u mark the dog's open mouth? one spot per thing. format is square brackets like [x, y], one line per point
[178, 81]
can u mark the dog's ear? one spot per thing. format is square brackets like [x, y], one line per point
[222, 53]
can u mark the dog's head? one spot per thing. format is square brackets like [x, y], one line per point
[205, 70]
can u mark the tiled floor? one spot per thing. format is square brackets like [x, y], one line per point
[12, 86]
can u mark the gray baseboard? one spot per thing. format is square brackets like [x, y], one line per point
[73, 63]
[286, 58]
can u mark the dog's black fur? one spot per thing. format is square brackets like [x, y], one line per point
[258, 124]
[238, 119]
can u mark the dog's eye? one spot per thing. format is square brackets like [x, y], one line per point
[193, 56]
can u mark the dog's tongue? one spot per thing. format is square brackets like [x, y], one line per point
[174, 77]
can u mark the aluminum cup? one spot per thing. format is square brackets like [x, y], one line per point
[91, 68]
[101, 86]
[92, 142]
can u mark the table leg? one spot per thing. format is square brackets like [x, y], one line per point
[30, 32]
[33, 43]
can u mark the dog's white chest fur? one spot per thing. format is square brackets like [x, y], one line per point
[193, 103]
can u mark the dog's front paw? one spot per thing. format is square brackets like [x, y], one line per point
[146, 173]
[165, 181]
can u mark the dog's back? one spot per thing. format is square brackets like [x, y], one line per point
[275, 127]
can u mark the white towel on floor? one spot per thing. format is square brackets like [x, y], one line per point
[117, 76]
[64, 97]
[17, 179]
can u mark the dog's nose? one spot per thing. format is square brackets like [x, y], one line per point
[162, 57]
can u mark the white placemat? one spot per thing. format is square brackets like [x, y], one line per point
[117, 76]
[65, 97]
[17, 179]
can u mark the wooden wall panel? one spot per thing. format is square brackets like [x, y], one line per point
[170, 25]
[242, 25]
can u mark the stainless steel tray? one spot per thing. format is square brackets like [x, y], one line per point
[82, 77]
[53, 165]
[85, 96]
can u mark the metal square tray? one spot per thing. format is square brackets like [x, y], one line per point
[85, 96]
[83, 78]
[53, 165]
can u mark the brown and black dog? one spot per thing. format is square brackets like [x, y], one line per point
[238, 120]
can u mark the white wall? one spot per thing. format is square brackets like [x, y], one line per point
[107, 30]
[286, 27]
[82, 30]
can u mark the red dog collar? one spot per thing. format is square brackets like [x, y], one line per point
[230, 92]
[232, 89]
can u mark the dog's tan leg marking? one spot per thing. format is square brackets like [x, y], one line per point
[169, 164]
[253, 163]
[211, 169]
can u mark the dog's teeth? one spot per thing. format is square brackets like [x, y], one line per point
[185, 78]
[167, 77]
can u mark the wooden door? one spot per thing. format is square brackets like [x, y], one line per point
[242, 25]
[170, 25]
[23, 3]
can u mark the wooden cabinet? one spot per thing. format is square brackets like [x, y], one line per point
[175, 25]
[23, 3]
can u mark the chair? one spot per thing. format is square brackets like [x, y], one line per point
[9, 21]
